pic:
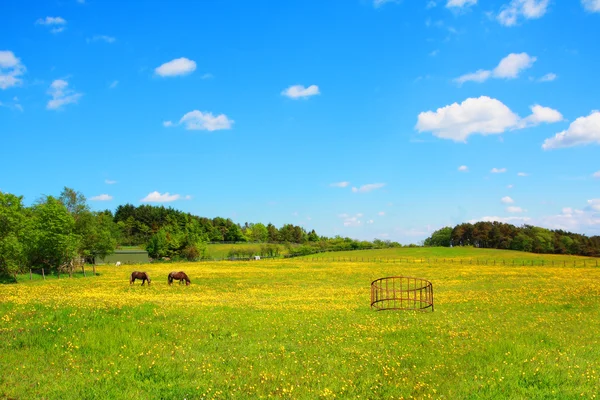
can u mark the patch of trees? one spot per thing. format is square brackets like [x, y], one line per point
[55, 233]
[497, 235]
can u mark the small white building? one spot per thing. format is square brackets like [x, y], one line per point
[257, 257]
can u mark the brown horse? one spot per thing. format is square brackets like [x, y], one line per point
[180, 276]
[139, 275]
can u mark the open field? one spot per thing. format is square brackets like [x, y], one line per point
[221, 250]
[302, 329]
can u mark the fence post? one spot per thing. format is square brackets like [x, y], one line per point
[29, 273]
[94, 268]
[44, 275]
[83, 268]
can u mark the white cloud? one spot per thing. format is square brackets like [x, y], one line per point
[156, 197]
[51, 21]
[113, 85]
[430, 4]
[367, 188]
[548, 77]
[339, 184]
[187, 197]
[591, 5]
[574, 220]
[506, 220]
[463, 168]
[207, 76]
[381, 213]
[56, 24]
[522, 174]
[11, 69]
[594, 204]
[540, 114]
[379, 3]
[509, 186]
[299, 91]
[102, 38]
[203, 121]
[351, 220]
[582, 131]
[528, 9]
[460, 3]
[178, 66]
[513, 209]
[61, 95]
[507, 200]
[511, 65]
[479, 76]
[508, 68]
[102, 197]
[498, 170]
[482, 115]
[167, 124]
[434, 53]
[109, 182]
[596, 175]
[370, 221]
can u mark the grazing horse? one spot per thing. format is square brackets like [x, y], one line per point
[180, 276]
[139, 275]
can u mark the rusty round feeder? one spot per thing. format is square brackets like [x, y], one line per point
[401, 293]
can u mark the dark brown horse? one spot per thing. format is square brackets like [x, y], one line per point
[179, 276]
[139, 275]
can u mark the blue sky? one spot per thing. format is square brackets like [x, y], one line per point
[361, 118]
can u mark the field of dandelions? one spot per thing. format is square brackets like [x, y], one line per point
[303, 328]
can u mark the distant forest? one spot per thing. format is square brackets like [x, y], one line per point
[497, 235]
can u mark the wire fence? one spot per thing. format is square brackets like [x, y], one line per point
[462, 261]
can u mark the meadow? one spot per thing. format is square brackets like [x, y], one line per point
[299, 328]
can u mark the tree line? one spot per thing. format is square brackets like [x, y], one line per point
[60, 232]
[498, 235]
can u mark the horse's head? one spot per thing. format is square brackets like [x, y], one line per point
[148, 279]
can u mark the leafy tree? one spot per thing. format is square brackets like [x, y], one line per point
[56, 242]
[259, 233]
[13, 232]
[157, 246]
[441, 238]
[273, 233]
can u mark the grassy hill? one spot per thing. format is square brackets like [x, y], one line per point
[441, 253]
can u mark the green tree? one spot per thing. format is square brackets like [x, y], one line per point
[259, 233]
[56, 242]
[157, 245]
[440, 238]
[13, 232]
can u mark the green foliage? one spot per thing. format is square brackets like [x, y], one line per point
[55, 242]
[441, 237]
[497, 235]
[13, 234]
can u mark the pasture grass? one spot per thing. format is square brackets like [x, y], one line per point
[302, 329]
[221, 250]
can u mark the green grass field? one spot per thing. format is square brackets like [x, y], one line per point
[447, 254]
[221, 250]
[303, 329]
